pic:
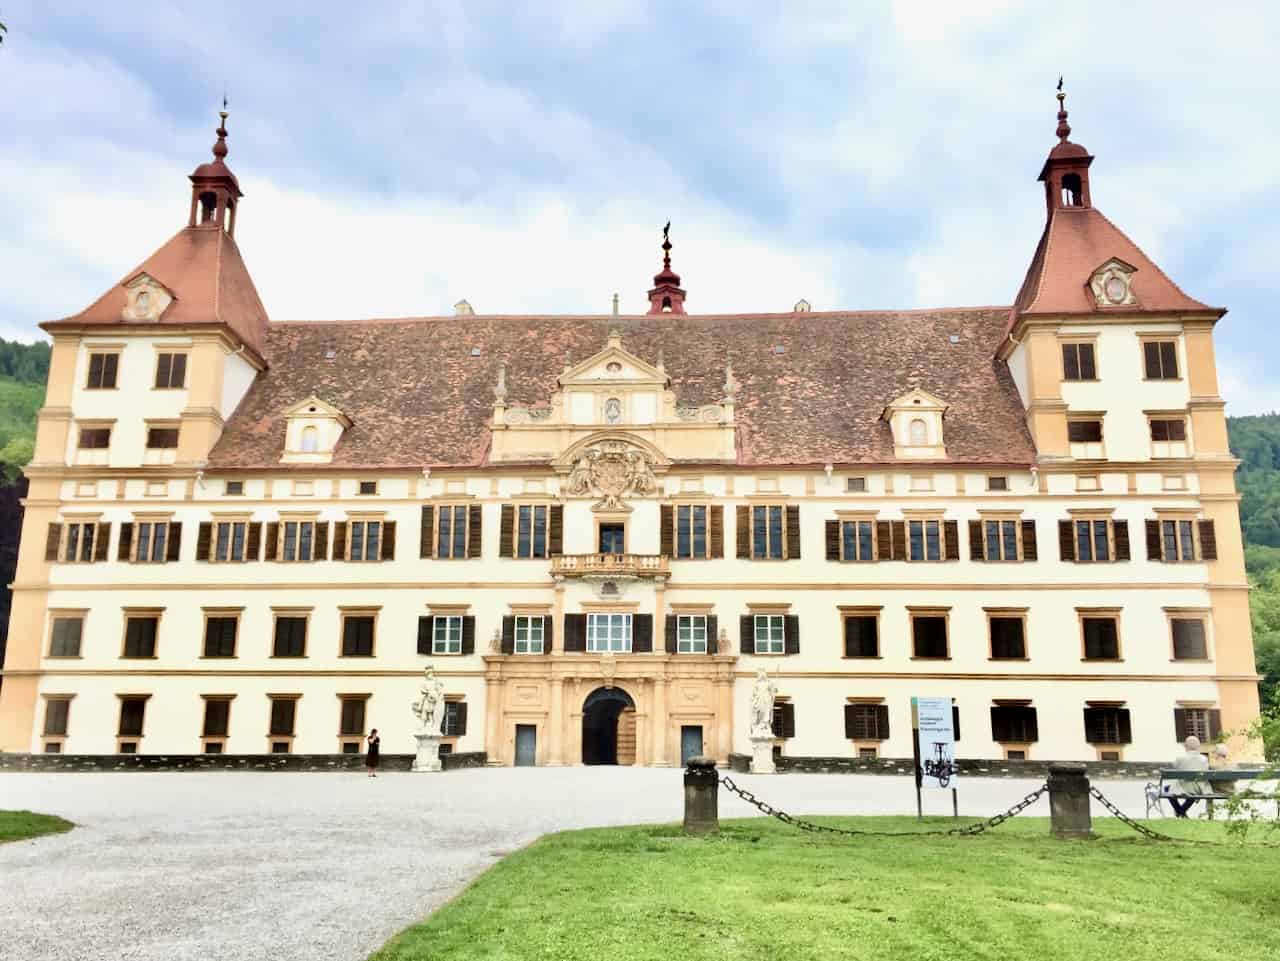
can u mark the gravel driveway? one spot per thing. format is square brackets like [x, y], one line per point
[230, 865]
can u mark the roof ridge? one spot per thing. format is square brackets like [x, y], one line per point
[127, 276]
[1044, 261]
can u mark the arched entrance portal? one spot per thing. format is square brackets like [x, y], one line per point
[608, 727]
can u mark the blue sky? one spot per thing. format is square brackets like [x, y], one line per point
[398, 157]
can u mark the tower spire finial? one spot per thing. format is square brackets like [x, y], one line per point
[666, 246]
[220, 147]
[1064, 128]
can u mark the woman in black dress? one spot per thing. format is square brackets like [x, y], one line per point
[371, 757]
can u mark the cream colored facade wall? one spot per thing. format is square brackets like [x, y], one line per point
[818, 679]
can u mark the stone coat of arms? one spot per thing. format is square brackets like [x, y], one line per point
[613, 470]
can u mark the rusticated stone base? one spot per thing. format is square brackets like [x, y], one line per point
[46, 763]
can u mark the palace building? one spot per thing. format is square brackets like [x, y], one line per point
[247, 536]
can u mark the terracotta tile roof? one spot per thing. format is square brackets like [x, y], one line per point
[417, 397]
[1075, 243]
[202, 268]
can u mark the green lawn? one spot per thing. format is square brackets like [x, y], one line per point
[18, 825]
[764, 891]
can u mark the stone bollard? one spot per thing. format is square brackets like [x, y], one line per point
[1069, 815]
[701, 796]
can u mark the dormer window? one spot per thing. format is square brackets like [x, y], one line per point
[312, 431]
[916, 421]
[1111, 285]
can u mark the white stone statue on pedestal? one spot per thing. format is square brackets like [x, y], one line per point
[429, 710]
[763, 693]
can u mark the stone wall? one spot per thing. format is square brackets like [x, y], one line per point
[741, 763]
[222, 762]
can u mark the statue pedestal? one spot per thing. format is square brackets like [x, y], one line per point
[428, 756]
[762, 755]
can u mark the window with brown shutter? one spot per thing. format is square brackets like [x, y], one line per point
[998, 539]
[451, 526]
[1202, 722]
[1008, 638]
[929, 635]
[1091, 540]
[507, 531]
[1160, 359]
[925, 540]
[426, 532]
[474, 527]
[575, 633]
[1189, 643]
[861, 635]
[1078, 362]
[773, 531]
[686, 530]
[1101, 637]
[555, 533]
[742, 532]
[1208, 541]
[364, 541]
[854, 540]
[454, 721]
[784, 720]
[171, 371]
[81, 539]
[717, 531]
[1107, 725]
[866, 722]
[1014, 724]
[102, 371]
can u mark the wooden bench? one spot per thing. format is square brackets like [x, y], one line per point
[1219, 781]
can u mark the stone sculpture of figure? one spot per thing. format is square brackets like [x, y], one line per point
[639, 474]
[580, 477]
[762, 696]
[427, 708]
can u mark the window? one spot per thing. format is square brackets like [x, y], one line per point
[298, 540]
[132, 714]
[919, 433]
[1078, 362]
[857, 540]
[80, 543]
[784, 719]
[162, 438]
[368, 487]
[234, 488]
[229, 540]
[140, 635]
[102, 371]
[529, 633]
[1084, 431]
[691, 634]
[1107, 725]
[855, 485]
[310, 440]
[1160, 359]
[290, 636]
[171, 371]
[531, 531]
[446, 636]
[1008, 639]
[217, 717]
[1093, 541]
[455, 719]
[57, 711]
[770, 632]
[924, 539]
[1000, 540]
[767, 532]
[351, 723]
[1188, 638]
[1177, 541]
[1171, 429]
[152, 541]
[608, 632]
[691, 531]
[929, 635]
[1101, 637]
[613, 538]
[997, 482]
[1202, 722]
[451, 530]
[364, 540]
[866, 722]
[283, 715]
[861, 635]
[220, 635]
[95, 438]
[357, 635]
[1014, 724]
[66, 635]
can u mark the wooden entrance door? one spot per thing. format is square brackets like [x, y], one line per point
[526, 745]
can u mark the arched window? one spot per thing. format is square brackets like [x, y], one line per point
[919, 433]
[1071, 191]
[208, 206]
[310, 440]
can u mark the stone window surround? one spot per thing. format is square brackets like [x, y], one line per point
[1101, 612]
[1202, 614]
[305, 614]
[131, 612]
[207, 612]
[1021, 614]
[69, 613]
[928, 611]
[221, 739]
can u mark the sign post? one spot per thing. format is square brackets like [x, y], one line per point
[934, 747]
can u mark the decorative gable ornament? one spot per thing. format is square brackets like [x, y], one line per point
[313, 428]
[916, 421]
[1112, 284]
[145, 299]
[612, 469]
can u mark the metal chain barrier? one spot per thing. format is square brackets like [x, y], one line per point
[1124, 818]
[969, 830]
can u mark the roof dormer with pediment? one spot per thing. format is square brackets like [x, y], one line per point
[313, 428]
[916, 421]
[617, 392]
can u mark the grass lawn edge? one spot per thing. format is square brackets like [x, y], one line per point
[26, 825]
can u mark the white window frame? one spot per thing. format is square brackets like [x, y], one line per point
[530, 633]
[446, 634]
[609, 632]
[691, 634]
[770, 633]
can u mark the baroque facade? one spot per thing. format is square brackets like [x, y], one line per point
[246, 536]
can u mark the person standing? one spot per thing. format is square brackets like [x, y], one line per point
[373, 754]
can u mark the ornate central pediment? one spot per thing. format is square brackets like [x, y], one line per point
[613, 469]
